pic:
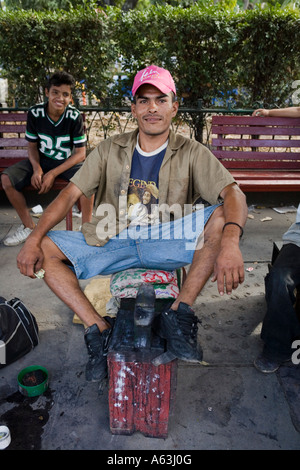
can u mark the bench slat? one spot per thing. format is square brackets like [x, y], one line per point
[9, 157]
[253, 130]
[13, 117]
[252, 156]
[257, 121]
[13, 142]
[222, 142]
[12, 128]
[269, 185]
[265, 174]
[260, 165]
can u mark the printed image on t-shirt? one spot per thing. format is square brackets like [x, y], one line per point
[143, 191]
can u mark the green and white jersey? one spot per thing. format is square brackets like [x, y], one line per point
[55, 140]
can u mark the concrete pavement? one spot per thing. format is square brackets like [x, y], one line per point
[225, 405]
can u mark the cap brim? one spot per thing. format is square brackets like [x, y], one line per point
[160, 86]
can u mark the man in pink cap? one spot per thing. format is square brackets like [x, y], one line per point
[166, 234]
[156, 76]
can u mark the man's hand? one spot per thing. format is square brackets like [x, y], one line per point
[229, 269]
[30, 259]
[261, 112]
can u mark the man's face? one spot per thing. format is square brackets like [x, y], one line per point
[153, 110]
[58, 98]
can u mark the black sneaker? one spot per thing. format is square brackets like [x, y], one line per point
[267, 366]
[97, 346]
[180, 328]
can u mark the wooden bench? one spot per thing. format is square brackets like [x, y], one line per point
[13, 148]
[262, 153]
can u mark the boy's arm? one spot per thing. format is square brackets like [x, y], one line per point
[49, 177]
[34, 158]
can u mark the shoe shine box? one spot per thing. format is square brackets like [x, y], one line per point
[140, 393]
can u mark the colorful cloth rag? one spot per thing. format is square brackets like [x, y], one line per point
[125, 284]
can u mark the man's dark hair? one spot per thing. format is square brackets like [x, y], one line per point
[60, 78]
[133, 100]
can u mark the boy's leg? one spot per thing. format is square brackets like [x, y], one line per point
[86, 204]
[13, 180]
[18, 201]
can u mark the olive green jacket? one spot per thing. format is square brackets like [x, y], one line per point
[188, 171]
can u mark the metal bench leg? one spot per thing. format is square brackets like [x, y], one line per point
[69, 221]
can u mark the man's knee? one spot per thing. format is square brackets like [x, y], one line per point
[5, 181]
[51, 250]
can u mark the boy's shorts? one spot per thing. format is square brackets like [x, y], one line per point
[165, 246]
[20, 173]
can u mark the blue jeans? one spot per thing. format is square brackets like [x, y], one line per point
[165, 246]
[281, 324]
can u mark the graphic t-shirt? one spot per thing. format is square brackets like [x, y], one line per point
[143, 191]
[55, 139]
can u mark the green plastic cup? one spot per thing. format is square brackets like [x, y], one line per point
[35, 390]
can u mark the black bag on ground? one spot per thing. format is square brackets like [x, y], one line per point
[18, 330]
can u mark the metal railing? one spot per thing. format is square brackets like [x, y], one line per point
[193, 122]
[102, 122]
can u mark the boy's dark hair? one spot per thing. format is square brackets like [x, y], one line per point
[60, 78]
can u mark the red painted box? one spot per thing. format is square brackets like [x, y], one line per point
[140, 393]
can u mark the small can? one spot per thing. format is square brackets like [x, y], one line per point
[5, 438]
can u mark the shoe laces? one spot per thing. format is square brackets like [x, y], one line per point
[20, 233]
[20, 228]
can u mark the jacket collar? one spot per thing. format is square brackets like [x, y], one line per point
[175, 140]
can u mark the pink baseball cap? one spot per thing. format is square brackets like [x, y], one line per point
[156, 76]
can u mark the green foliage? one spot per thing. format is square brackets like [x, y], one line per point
[40, 5]
[34, 44]
[270, 60]
[212, 50]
